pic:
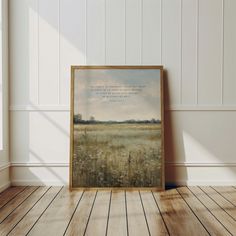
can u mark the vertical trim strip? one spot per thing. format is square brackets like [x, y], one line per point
[38, 82]
[105, 32]
[141, 32]
[181, 51]
[125, 29]
[222, 56]
[59, 53]
[197, 52]
[161, 30]
[86, 33]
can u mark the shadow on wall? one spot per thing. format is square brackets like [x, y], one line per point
[171, 172]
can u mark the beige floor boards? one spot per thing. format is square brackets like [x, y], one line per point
[58, 211]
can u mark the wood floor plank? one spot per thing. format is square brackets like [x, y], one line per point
[80, 218]
[213, 226]
[227, 192]
[221, 201]
[15, 202]
[177, 215]
[136, 219]
[155, 222]
[9, 194]
[98, 219]
[57, 211]
[228, 222]
[20, 211]
[57, 216]
[117, 224]
[23, 227]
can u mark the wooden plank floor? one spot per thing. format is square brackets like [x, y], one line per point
[57, 211]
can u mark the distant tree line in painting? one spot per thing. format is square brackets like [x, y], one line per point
[79, 120]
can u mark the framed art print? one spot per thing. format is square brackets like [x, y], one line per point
[117, 129]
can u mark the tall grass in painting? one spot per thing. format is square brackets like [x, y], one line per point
[117, 155]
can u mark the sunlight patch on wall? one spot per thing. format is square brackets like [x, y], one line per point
[195, 150]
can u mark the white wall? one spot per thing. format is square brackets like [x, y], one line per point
[195, 40]
[4, 130]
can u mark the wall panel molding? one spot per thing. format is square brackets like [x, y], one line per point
[65, 108]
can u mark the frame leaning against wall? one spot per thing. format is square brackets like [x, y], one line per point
[73, 70]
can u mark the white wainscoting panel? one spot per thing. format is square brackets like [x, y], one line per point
[133, 32]
[72, 42]
[49, 32]
[189, 52]
[96, 32]
[210, 52]
[151, 26]
[229, 53]
[171, 47]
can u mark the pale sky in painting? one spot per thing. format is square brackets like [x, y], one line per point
[143, 106]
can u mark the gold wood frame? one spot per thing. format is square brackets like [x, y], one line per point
[73, 68]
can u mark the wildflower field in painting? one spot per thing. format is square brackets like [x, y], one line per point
[117, 155]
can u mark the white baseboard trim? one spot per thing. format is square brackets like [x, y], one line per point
[168, 184]
[180, 183]
[193, 164]
[36, 183]
[175, 164]
[215, 168]
[5, 186]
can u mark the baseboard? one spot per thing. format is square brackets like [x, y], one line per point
[174, 164]
[168, 184]
[4, 176]
[36, 183]
[180, 183]
[177, 174]
[5, 186]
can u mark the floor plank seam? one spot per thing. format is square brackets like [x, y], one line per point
[144, 213]
[108, 215]
[90, 213]
[160, 213]
[74, 212]
[193, 212]
[218, 204]
[19, 205]
[28, 211]
[13, 196]
[44, 211]
[126, 215]
[209, 210]
[223, 196]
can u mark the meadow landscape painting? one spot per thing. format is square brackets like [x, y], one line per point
[117, 128]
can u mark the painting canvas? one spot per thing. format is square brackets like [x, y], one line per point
[116, 127]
